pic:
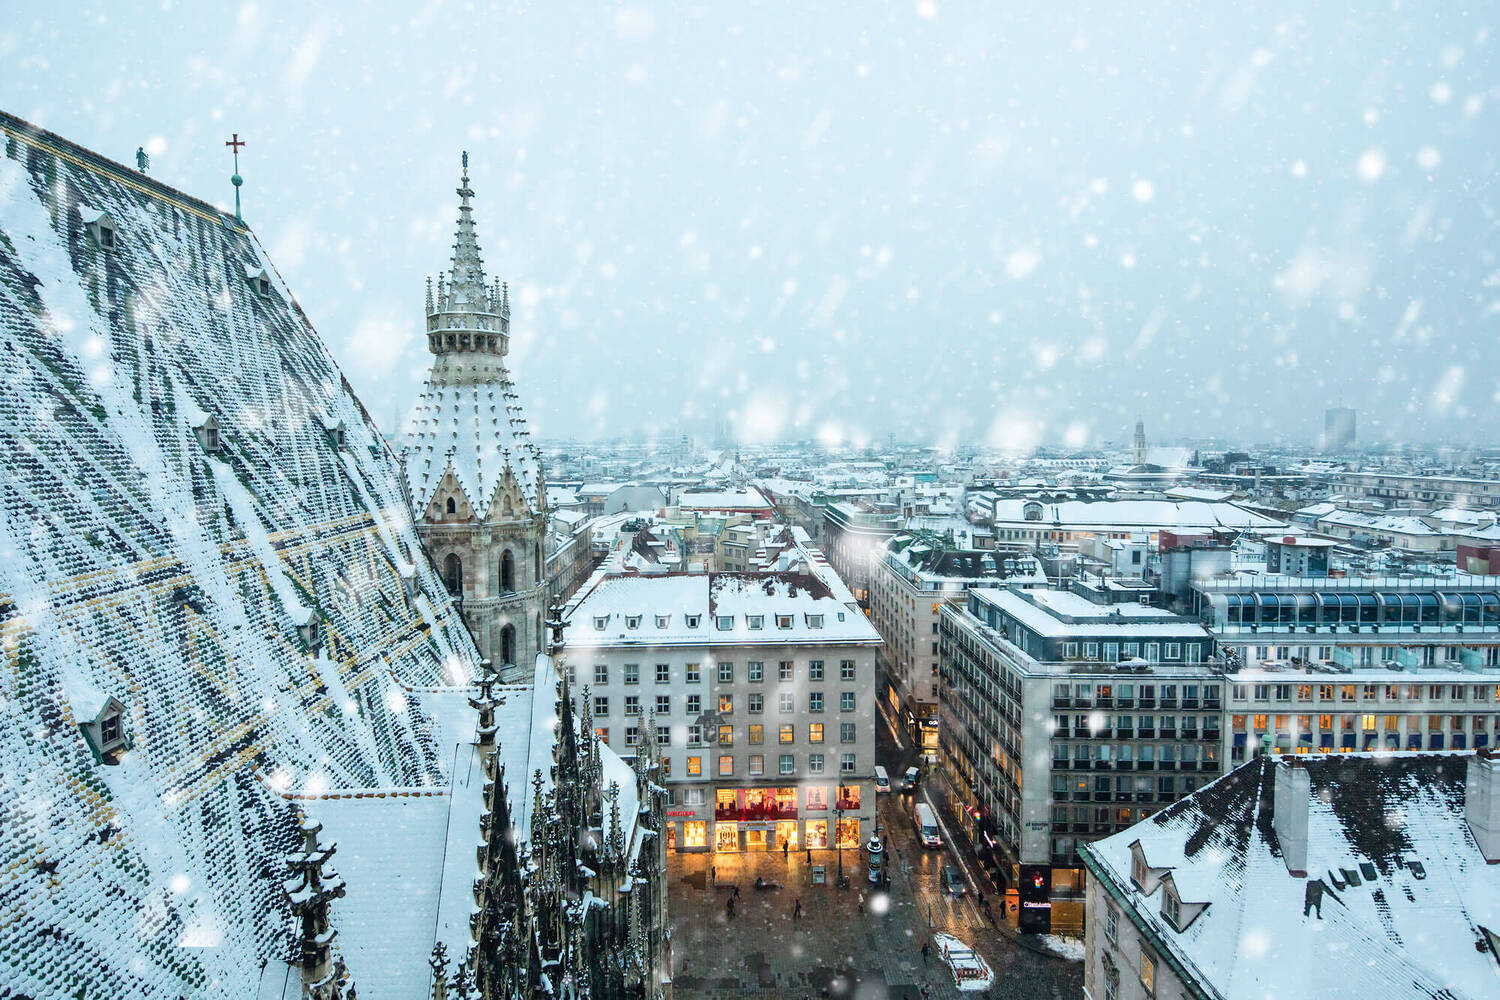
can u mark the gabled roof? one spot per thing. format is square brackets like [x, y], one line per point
[1394, 903]
[138, 565]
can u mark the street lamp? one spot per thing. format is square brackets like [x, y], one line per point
[838, 835]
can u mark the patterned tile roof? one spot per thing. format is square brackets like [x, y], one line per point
[138, 561]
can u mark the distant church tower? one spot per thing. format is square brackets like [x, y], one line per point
[1140, 441]
[475, 477]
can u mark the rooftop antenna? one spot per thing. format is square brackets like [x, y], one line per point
[142, 161]
[235, 144]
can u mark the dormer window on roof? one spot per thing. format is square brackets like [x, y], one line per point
[259, 280]
[100, 227]
[663, 620]
[601, 622]
[724, 622]
[1171, 907]
[102, 723]
[208, 434]
[693, 620]
[757, 621]
[632, 621]
[783, 621]
[311, 633]
[335, 431]
[814, 621]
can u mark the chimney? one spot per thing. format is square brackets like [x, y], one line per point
[1289, 813]
[1482, 802]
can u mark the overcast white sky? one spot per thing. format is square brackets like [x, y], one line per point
[987, 221]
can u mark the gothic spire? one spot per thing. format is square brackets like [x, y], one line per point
[466, 291]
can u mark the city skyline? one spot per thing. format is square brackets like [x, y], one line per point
[1051, 222]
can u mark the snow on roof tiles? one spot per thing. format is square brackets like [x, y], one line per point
[1389, 932]
[477, 431]
[139, 565]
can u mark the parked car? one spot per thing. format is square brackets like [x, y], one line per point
[953, 881]
[909, 780]
[882, 780]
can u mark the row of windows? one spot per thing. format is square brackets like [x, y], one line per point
[1367, 722]
[786, 702]
[755, 765]
[755, 672]
[1146, 753]
[1081, 787]
[1367, 692]
[1084, 693]
[1112, 652]
[1397, 609]
[1098, 721]
[755, 734]
[721, 622]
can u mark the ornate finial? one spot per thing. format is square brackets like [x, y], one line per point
[466, 164]
[235, 143]
[142, 161]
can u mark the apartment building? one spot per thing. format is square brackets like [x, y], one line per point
[854, 536]
[1063, 721]
[762, 688]
[1320, 664]
[917, 573]
[1409, 488]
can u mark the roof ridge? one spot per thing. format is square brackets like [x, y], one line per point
[35, 135]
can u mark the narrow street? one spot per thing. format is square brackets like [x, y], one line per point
[852, 942]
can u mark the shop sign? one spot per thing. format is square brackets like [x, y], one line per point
[682, 812]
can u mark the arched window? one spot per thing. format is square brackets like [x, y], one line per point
[453, 574]
[538, 560]
[507, 572]
[508, 644]
[452, 506]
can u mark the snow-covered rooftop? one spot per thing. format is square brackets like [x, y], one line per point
[718, 608]
[748, 499]
[1063, 614]
[1395, 901]
[1143, 514]
[141, 565]
[474, 431]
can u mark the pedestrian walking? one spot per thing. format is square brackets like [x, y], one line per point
[786, 845]
[797, 912]
[926, 951]
[730, 906]
[809, 855]
[713, 875]
[734, 893]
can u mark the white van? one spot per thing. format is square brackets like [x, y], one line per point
[927, 828]
[882, 780]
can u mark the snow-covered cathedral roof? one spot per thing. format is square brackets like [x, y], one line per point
[474, 432]
[177, 517]
[468, 419]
